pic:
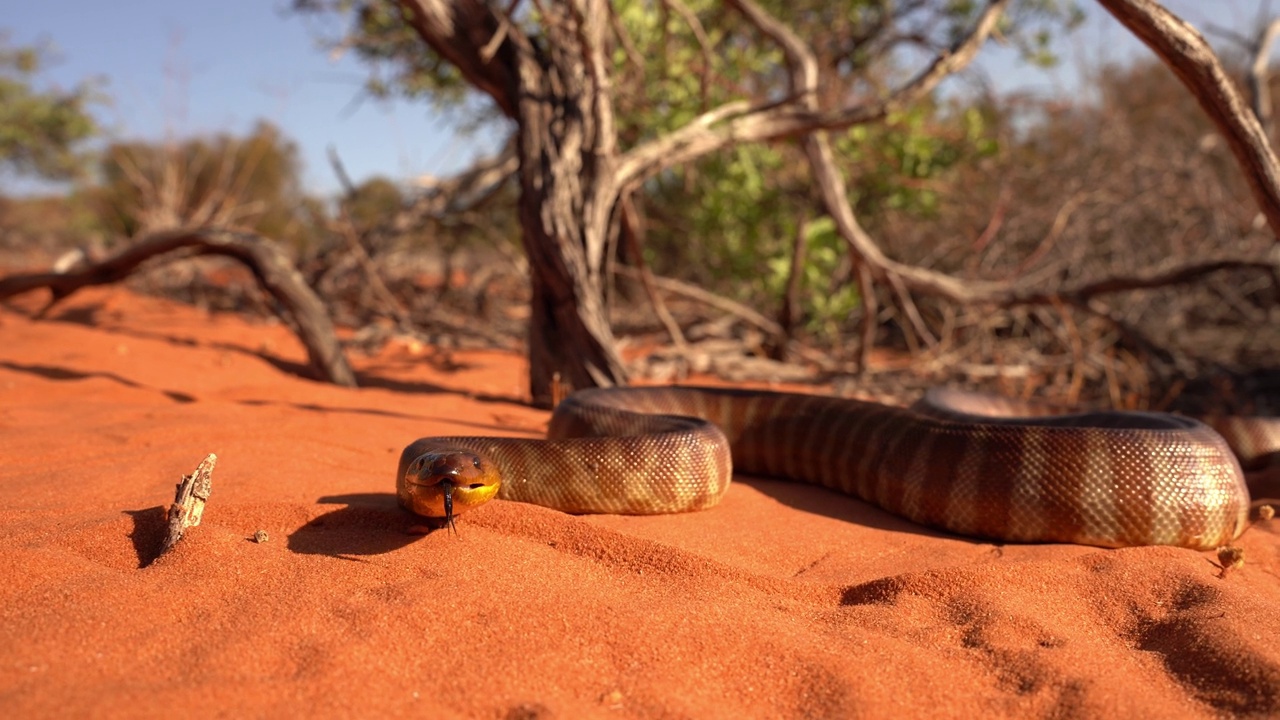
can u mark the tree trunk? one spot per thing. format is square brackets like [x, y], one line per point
[556, 91]
[571, 344]
[567, 200]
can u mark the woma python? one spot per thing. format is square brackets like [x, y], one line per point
[1107, 478]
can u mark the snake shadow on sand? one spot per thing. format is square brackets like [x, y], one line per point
[819, 500]
[365, 524]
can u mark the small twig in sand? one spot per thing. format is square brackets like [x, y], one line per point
[188, 502]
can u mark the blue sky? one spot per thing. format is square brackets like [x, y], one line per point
[186, 68]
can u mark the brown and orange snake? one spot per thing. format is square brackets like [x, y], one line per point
[1110, 479]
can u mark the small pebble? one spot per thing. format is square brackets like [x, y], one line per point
[260, 536]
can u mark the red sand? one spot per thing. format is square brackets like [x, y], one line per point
[785, 601]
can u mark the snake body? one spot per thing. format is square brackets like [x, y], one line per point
[1109, 479]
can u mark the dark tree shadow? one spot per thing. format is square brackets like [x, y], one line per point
[51, 372]
[820, 500]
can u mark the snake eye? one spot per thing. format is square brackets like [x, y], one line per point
[475, 461]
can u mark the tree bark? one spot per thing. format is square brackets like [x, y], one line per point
[558, 93]
[565, 144]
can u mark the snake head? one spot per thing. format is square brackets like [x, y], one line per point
[444, 482]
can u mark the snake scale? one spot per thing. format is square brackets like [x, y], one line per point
[956, 461]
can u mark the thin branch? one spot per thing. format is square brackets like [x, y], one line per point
[694, 292]
[789, 315]
[912, 313]
[1055, 232]
[505, 23]
[741, 122]
[628, 45]
[704, 43]
[870, 313]
[1260, 75]
[269, 263]
[633, 227]
[1185, 51]
[1145, 279]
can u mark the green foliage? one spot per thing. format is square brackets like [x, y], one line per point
[728, 220]
[251, 182]
[742, 207]
[901, 161]
[1031, 25]
[728, 213]
[401, 64]
[40, 130]
[828, 301]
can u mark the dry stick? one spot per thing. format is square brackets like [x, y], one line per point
[870, 313]
[348, 231]
[273, 269]
[913, 314]
[1185, 51]
[1260, 76]
[189, 501]
[994, 223]
[706, 297]
[1055, 231]
[389, 301]
[737, 309]
[789, 314]
[633, 229]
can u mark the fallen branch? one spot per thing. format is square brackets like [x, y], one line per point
[266, 259]
[771, 328]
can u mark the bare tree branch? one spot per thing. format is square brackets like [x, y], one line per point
[461, 30]
[273, 269]
[704, 44]
[1185, 51]
[1260, 76]
[1147, 278]
[633, 228]
[741, 122]
[694, 292]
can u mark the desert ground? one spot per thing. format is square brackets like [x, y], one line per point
[784, 601]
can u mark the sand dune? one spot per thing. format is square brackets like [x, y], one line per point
[785, 601]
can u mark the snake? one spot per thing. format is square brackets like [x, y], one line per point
[972, 464]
